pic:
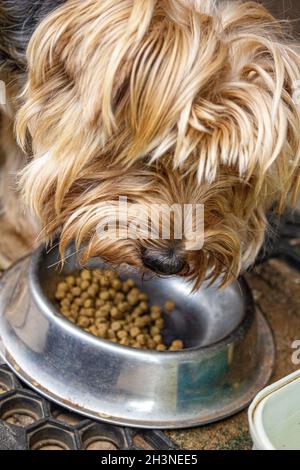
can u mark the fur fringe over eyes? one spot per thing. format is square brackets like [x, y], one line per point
[201, 88]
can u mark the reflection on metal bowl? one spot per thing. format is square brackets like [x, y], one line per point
[228, 358]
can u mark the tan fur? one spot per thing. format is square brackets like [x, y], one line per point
[165, 101]
[12, 161]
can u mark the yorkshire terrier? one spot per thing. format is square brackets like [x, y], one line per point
[161, 101]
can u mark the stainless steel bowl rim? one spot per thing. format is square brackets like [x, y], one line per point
[134, 387]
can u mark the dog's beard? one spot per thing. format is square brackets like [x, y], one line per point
[233, 229]
[162, 102]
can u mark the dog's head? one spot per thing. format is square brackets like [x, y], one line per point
[164, 102]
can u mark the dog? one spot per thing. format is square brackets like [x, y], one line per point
[161, 102]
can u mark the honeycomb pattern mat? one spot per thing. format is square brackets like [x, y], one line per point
[30, 422]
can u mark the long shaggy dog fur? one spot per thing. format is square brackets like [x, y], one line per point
[166, 101]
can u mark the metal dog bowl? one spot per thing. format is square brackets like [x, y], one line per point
[229, 355]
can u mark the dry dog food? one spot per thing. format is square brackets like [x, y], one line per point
[101, 303]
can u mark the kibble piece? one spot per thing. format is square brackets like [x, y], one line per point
[90, 312]
[160, 323]
[134, 291]
[116, 314]
[154, 330]
[130, 282]
[84, 295]
[102, 331]
[125, 288]
[161, 347]
[146, 334]
[143, 297]
[85, 285]
[151, 344]
[88, 303]
[104, 295]
[79, 301]
[116, 284]
[105, 310]
[176, 345]
[111, 333]
[93, 290]
[83, 321]
[146, 320]
[109, 273]
[101, 321]
[116, 325]
[74, 315]
[65, 302]
[74, 308]
[155, 309]
[76, 291]
[120, 297]
[112, 292]
[104, 281]
[123, 307]
[99, 303]
[86, 275]
[92, 329]
[65, 311]
[62, 286]
[155, 315]
[101, 314]
[132, 299]
[125, 342]
[70, 280]
[60, 295]
[139, 322]
[136, 312]
[157, 339]
[141, 339]
[134, 331]
[169, 305]
[143, 306]
[122, 334]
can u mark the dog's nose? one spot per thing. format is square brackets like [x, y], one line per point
[168, 263]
